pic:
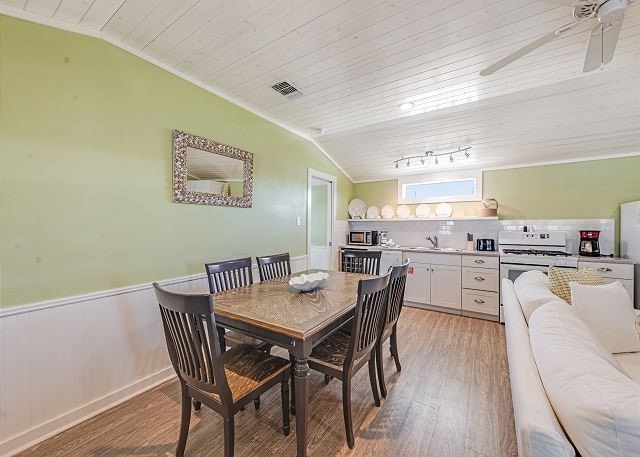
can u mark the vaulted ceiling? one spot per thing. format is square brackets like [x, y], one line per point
[356, 61]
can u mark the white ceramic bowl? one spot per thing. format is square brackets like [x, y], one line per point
[309, 282]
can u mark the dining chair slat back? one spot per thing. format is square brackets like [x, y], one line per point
[372, 295]
[192, 340]
[274, 266]
[395, 297]
[366, 262]
[229, 274]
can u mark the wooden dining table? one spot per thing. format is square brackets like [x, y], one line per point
[274, 312]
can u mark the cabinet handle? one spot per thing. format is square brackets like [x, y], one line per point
[478, 301]
[479, 278]
[605, 269]
[478, 261]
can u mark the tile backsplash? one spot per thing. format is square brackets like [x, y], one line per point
[453, 234]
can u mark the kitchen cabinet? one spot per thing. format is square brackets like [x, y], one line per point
[432, 284]
[480, 287]
[613, 271]
[418, 286]
[446, 286]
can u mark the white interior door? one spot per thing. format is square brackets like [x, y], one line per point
[321, 192]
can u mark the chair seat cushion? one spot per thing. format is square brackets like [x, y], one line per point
[248, 368]
[332, 351]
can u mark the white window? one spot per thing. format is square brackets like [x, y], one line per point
[440, 187]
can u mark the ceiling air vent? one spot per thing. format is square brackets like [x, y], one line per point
[287, 89]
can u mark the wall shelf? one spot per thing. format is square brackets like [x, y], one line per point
[433, 219]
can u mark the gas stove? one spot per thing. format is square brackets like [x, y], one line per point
[535, 248]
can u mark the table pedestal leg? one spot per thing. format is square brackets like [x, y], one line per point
[301, 378]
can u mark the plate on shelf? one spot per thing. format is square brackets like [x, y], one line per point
[357, 208]
[373, 212]
[388, 212]
[403, 211]
[444, 210]
[423, 210]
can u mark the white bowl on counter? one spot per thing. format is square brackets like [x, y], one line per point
[309, 282]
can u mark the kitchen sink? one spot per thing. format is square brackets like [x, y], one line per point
[424, 248]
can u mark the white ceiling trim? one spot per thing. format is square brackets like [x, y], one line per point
[523, 165]
[51, 22]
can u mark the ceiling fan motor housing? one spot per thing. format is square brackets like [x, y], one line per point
[612, 11]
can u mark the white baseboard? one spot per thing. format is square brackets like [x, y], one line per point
[61, 423]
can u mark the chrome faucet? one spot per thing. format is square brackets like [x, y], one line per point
[433, 241]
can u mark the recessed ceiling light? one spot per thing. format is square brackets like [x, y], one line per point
[406, 106]
[318, 130]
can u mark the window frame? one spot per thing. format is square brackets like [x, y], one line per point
[431, 178]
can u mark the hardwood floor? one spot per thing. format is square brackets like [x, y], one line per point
[452, 399]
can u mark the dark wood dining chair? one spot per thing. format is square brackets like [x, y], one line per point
[342, 354]
[224, 382]
[367, 262]
[395, 297]
[274, 266]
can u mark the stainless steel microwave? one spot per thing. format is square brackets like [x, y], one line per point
[363, 237]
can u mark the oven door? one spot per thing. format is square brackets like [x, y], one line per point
[511, 271]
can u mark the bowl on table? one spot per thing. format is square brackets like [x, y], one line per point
[309, 282]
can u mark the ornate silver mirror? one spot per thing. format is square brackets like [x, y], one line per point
[209, 173]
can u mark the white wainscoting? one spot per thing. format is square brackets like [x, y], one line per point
[63, 361]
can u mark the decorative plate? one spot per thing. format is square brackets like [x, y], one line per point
[357, 208]
[444, 210]
[309, 282]
[388, 212]
[423, 210]
[403, 211]
[373, 213]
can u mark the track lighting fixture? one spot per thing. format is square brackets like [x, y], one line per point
[424, 157]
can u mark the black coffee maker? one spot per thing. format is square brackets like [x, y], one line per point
[589, 244]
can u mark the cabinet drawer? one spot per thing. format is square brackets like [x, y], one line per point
[480, 302]
[480, 279]
[480, 261]
[610, 270]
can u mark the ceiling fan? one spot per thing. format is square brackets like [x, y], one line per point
[603, 39]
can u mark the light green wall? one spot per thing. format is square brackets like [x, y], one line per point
[319, 202]
[582, 190]
[85, 174]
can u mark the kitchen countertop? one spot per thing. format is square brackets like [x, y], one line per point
[427, 250]
[619, 260]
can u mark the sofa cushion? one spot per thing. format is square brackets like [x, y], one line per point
[597, 404]
[559, 279]
[608, 312]
[533, 290]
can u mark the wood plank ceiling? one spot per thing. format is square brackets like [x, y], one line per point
[356, 61]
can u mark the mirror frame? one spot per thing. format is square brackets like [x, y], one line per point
[184, 140]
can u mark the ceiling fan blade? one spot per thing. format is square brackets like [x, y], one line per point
[602, 45]
[528, 48]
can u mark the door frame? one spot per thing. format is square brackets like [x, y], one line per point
[312, 173]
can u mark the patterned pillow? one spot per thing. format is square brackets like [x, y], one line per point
[559, 279]
[638, 325]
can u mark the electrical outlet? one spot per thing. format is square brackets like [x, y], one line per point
[298, 221]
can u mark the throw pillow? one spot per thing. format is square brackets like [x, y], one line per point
[608, 312]
[559, 279]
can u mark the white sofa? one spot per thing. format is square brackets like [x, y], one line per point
[555, 360]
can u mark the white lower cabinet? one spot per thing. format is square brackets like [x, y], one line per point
[481, 285]
[418, 286]
[434, 284]
[446, 286]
